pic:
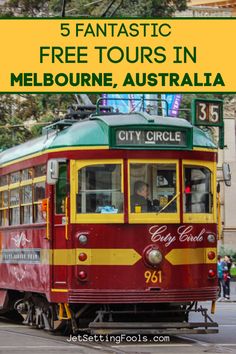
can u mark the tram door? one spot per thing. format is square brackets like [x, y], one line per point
[60, 243]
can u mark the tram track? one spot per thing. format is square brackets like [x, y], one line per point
[36, 341]
[55, 342]
[55, 338]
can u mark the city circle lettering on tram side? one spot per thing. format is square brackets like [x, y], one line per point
[150, 138]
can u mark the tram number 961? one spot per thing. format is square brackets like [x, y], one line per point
[153, 276]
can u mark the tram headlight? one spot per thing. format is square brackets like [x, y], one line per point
[211, 238]
[154, 257]
[83, 239]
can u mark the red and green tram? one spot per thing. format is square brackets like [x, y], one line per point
[76, 248]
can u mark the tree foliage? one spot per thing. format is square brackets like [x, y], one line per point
[26, 8]
[23, 116]
[151, 8]
[125, 8]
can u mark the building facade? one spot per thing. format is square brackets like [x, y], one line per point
[220, 4]
[228, 194]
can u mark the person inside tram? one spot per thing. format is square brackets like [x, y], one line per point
[139, 200]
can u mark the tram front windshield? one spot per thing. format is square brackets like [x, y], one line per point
[153, 188]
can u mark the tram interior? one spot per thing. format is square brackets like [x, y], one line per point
[101, 187]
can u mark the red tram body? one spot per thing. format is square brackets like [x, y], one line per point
[73, 247]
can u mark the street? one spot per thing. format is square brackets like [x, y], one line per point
[15, 338]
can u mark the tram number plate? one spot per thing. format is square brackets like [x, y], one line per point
[153, 276]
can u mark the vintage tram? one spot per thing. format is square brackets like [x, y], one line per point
[77, 249]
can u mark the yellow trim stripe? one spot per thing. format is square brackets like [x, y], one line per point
[26, 183]
[39, 179]
[77, 148]
[14, 185]
[52, 151]
[96, 256]
[204, 149]
[123, 257]
[59, 290]
[4, 188]
[180, 256]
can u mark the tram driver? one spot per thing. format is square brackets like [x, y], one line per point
[140, 203]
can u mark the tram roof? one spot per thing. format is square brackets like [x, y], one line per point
[95, 132]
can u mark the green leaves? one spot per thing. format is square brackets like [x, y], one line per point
[23, 116]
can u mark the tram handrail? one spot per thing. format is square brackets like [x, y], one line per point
[165, 206]
[66, 217]
[48, 231]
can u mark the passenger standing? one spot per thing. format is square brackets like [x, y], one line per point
[227, 263]
[220, 275]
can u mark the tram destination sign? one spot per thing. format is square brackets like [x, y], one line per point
[150, 138]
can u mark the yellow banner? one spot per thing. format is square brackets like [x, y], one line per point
[117, 55]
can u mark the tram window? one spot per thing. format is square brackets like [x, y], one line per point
[14, 211]
[4, 199]
[4, 217]
[153, 188]
[3, 180]
[39, 195]
[39, 191]
[40, 170]
[1, 200]
[61, 189]
[26, 204]
[14, 216]
[14, 197]
[197, 190]
[100, 189]
[4, 208]
[15, 177]
[27, 174]
[26, 194]
[27, 214]
[39, 214]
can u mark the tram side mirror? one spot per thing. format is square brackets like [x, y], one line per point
[226, 174]
[52, 171]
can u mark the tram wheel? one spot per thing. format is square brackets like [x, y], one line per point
[53, 323]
